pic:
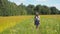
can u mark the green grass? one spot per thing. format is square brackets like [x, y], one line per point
[48, 25]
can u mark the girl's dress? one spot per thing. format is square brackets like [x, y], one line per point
[37, 20]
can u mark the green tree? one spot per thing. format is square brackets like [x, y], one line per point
[54, 10]
[30, 9]
[22, 9]
[3, 7]
[38, 9]
[8, 8]
[45, 10]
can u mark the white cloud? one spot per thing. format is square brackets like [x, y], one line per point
[41, 0]
[18, 1]
[55, 5]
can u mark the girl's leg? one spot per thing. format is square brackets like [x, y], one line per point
[36, 26]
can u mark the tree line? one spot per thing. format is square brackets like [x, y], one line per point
[8, 8]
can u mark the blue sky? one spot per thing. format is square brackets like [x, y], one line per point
[49, 3]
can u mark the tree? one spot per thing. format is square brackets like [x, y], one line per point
[54, 10]
[8, 8]
[22, 9]
[3, 7]
[59, 12]
[45, 10]
[38, 9]
[30, 9]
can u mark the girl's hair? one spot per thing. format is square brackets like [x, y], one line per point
[37, 14]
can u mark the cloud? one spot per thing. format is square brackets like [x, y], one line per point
[41, 0]
[18, 1]
[57, 6]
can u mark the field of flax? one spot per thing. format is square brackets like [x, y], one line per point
[49, 24]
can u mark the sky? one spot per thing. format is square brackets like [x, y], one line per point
[49, 3]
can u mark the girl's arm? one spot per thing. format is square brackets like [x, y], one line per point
[39, 18]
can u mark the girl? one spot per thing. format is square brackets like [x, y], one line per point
[36, 20]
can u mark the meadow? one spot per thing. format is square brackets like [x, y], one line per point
[49, 24]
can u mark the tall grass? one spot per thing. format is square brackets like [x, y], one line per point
[49, 24]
